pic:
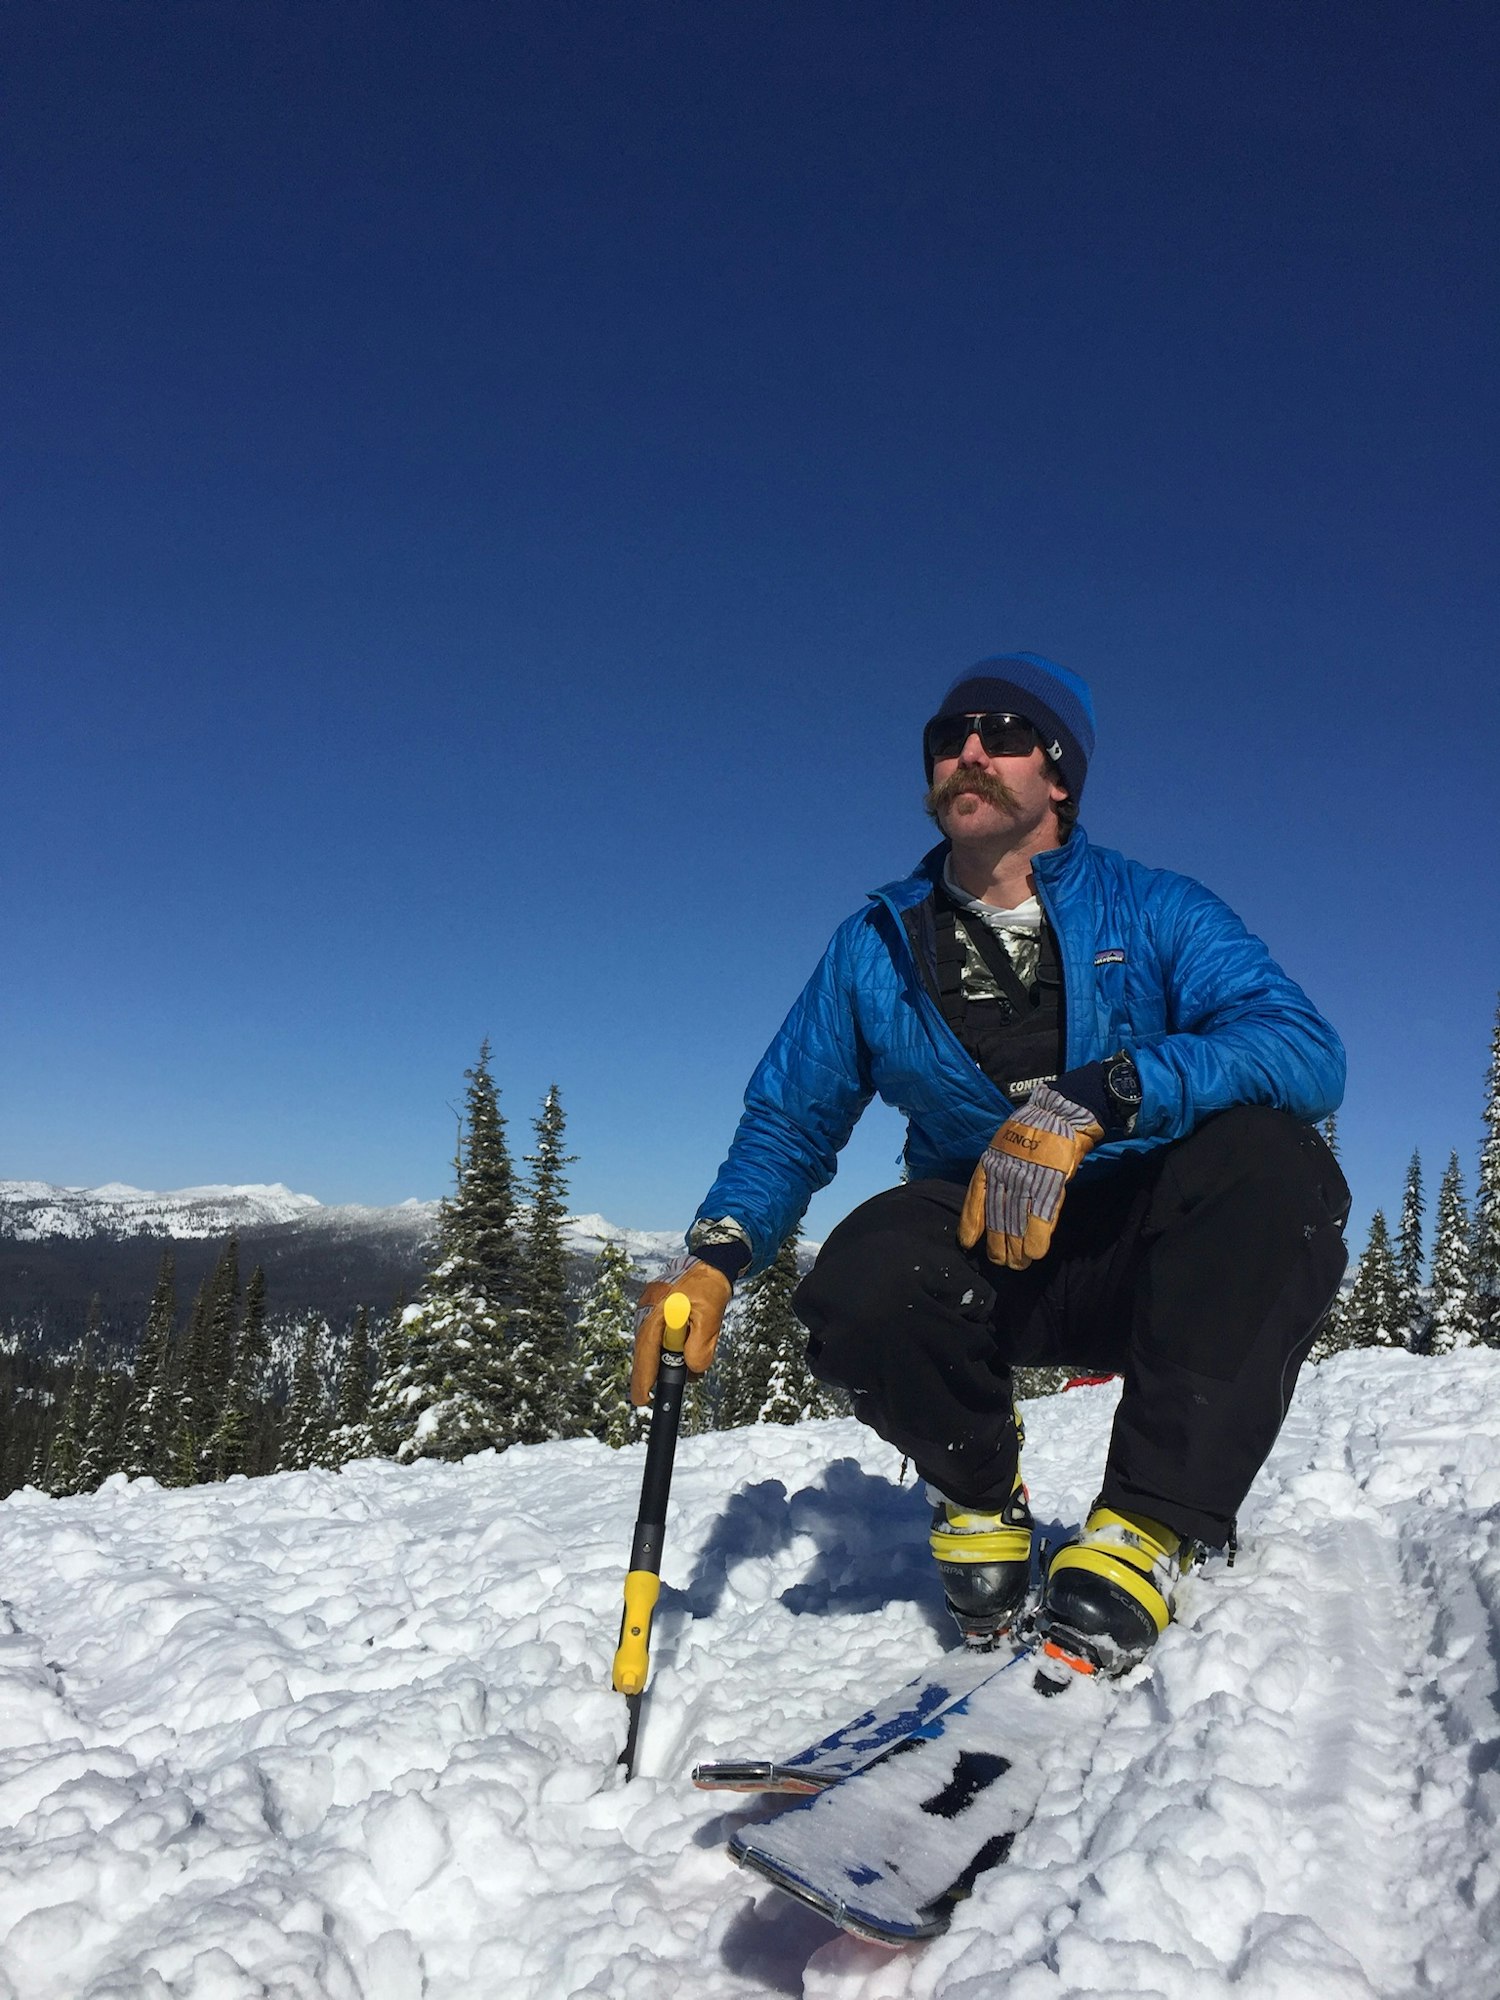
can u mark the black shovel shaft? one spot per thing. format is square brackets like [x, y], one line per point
[661, 1451]
[643, 1579]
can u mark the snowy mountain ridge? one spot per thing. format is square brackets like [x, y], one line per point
[33, 1211]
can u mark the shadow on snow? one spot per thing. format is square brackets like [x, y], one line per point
[870, 1538]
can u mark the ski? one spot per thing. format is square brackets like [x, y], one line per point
[911, 1711]
[887, 1850]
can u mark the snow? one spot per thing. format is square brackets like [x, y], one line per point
[351, 1734]
[651, 1251]
[31, 1210]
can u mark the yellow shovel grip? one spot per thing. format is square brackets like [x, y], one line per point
[632, 1656]
[676, 1311]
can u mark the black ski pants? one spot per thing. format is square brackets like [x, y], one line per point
[1200, 1272]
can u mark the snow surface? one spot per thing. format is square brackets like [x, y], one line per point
[350, 1734]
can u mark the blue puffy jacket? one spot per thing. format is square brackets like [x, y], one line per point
[1152, 962]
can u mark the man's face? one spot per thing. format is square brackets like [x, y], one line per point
[974, 796]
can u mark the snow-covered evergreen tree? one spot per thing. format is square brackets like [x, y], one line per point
[102, 1444]
[1409, 1255]
[305, 1438]
[477, 1244]
[206, 1369]
[221, 1332]
[1330, 1130]
[606, 1338]
[1332, 1338]
[766, 1379]
[546, 1402]
[65, 1456]
[1486, 1260]
[450, 1389]
[386, 1416]
[701, 1405]
[230, 1448]
[1374, 1313]
[742, 1370]
[1452, 1322]
[447, 1384]
[350, 1437]
[152, 1419]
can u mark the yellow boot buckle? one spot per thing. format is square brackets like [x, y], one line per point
[958, 1543]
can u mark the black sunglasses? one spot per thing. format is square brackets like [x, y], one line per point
[999, 735]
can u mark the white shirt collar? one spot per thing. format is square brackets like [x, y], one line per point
[1025, 916]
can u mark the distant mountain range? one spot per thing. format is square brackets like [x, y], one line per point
[62, 1247]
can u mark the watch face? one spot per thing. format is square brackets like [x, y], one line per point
[1123, 1084]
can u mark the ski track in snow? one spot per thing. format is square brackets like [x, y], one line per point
[351, 1736]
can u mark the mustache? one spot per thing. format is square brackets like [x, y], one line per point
[983, 784]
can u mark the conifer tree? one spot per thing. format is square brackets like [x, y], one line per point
[450, 1384]
[223, 1321]
[22, 1413]
[182, 1463]
[1374, 1315]
[1332, 1336]
[253, 1329]
[99, 1457]
[65, 1459]
[350, 1438]
[1452, 1323]
[792, 1393]
[741, 1373]
[766, 1381]
[189, 1382]
[152, 1419]
[264, 1442]
[232, 1446]
[386, 1415]
[606, 1338]
[305, 1439]
[449, 1392]
[477, 1226]
[1409, 1254]
[545, 1401]
[701, 1407]
[1487, 1205]
[207, 1362]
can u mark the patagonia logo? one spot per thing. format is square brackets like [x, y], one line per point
[1114, 956]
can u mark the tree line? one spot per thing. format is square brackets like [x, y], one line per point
[496, 1350]
[1445, 1300]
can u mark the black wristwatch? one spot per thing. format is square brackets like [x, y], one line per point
[1123, 1084]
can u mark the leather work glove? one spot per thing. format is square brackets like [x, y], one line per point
[1016, 1193]
[707, 1291]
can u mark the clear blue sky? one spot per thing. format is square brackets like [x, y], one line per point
[492, 493]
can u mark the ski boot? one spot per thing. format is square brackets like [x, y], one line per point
[984, 1561]
[1109, 1596]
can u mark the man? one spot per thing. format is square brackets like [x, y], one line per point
[1054, 1020]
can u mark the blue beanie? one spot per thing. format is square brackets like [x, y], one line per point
[1055, 702]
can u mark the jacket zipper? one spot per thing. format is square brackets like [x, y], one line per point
[935, 1013]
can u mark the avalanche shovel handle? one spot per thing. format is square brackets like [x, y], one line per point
[643, 1581]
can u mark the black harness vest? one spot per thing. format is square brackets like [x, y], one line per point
[1018, 1038]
